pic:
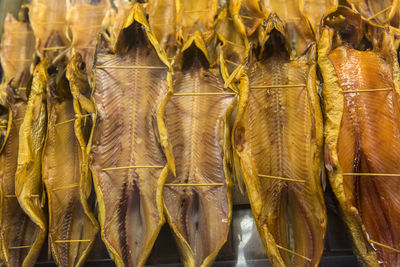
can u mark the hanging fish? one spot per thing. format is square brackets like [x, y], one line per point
[277, 138]
[361, 96]
[127, 160]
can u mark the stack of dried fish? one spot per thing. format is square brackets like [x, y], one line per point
[162, 102]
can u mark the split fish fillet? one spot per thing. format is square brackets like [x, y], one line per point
[72, 228]
[362, 136]
[199, 207]
[85, 22]
[277, 136]
[28, 186]
[128, 164]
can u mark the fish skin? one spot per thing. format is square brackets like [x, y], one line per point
[198, 129]
[130, 200]
[28, 185]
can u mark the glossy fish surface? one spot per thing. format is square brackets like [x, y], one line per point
[362, 135]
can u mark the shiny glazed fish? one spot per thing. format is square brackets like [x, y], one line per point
[361, 95]
[64, 172]
[17, 49]
[198, 207]
[128, 164]
[28, 185]
[277, 137]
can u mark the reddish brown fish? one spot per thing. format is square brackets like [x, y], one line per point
[361, 95]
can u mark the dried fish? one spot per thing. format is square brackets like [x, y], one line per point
[383, 12]
[277, 137]
[48, 20]
[198, 199]
[128, 164]
[72, 226]
[28, 185]
[85, 22]
[18, 232]
[361, 97]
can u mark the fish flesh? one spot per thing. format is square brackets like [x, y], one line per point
[28, 185]
[361, 97]
[85, 22]
[128, 164]
[18, 232]
[72, 228]
[277, 136]
[197, 199]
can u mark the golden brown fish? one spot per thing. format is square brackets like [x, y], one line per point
[277, 137]
[361, 97]
[18, 232]
[28, 184]
[72, 226]
[197, 200]
[128, 164]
